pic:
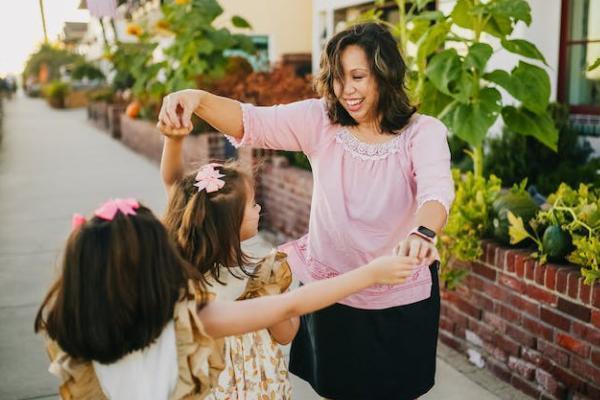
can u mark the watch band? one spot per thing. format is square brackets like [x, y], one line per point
[425, 233]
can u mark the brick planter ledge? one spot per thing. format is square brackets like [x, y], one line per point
[534, 326]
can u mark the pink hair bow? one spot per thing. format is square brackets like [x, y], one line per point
[77, 221]
[109, 209]
[208, 178]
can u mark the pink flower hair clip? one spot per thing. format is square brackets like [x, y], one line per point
[208, 178]
[108, 210]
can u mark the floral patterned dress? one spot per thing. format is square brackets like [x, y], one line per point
[255, 366]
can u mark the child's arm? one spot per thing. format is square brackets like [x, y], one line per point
[171, 162]
[235, 318]
[284, 332]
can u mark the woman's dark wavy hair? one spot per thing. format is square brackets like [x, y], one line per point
[117, 291]
[385, 63]
[206, 226]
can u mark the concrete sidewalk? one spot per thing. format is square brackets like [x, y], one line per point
[54, 163]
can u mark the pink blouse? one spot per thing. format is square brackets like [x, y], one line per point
[365, 196]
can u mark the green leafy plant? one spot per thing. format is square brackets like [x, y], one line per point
[469, 222]
[56, 92]
[516, 201]
[575, 212]
[198, 47]
[122, 56]
[105, 93]
[513, 157]
[53, 58]
[455, 84]
[83, 70]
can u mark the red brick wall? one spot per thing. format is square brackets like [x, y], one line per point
[143, 137]
[286, 198]
[537, 327]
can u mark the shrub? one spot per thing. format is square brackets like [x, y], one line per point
[513, 157]
[56, 92]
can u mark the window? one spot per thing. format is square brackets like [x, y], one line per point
[580, 47]
[259, 60]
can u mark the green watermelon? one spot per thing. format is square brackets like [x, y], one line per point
[520, 203]
[556, 243]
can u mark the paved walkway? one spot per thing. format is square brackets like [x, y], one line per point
[54, 163]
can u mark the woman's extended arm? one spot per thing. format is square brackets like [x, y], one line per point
[222, 113]
[235, 318]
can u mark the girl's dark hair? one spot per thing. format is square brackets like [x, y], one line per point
[206, 226]
[118, 288]
[385, 63]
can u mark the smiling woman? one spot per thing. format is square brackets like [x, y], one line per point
[381, 176]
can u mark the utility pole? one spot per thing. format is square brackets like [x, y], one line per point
[43, 21]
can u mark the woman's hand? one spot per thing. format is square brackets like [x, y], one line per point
[173, 133]
[177, 109]
[418, 247]
[392, 269]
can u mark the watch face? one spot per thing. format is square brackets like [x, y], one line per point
[426, 231]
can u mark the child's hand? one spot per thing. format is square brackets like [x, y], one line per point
[173, 133]
[416, 246]
[392, 269]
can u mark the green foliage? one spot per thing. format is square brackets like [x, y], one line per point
[56, 90]
[298, 159]
[518, 202]
[195, 54]
[576, 212]
[55, 93]
[87, 70]
[513, 157]
[199, 46]
[102, 94]
[469, 222]
[454, 84]
[51, 56]
[122, 57]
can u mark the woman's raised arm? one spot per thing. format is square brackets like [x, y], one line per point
[222, 113]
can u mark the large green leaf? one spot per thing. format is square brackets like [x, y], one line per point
[527, 83]
[472, 121]
[478, 56]
[500, 78]
[431, 41]
[446, 72]
[240, 22]
[429, 16]
[419, 28]
[517, 10]
[209, 9]
[443, 69]
[532, 85]
[523, 48]
[525, 122]
[204, 46]
[462, 14]
[499, 26]
[433, 101]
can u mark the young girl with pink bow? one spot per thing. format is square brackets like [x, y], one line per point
[210, 212]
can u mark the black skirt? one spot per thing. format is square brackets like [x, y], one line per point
[347, 353]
